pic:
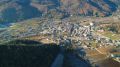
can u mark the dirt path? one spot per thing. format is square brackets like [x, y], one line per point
[98, 51]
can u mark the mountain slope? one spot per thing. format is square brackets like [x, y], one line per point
[13, 11]
[19, 10]
[90, 7]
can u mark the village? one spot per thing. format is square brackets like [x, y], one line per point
[87, 34]
[81, 35]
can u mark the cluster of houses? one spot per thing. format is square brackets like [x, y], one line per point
[76, 31]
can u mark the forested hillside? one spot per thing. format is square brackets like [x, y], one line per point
[18, 10]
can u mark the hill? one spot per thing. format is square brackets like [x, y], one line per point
[14, 54]
[18, 10]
